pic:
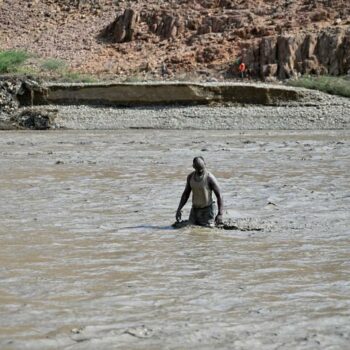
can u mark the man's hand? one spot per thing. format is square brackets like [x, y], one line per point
[218, 219]
[178, 215]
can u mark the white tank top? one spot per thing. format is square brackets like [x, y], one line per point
[201, 192]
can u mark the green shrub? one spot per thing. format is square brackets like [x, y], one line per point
[53, 64]
[332, 85]
[10, 60]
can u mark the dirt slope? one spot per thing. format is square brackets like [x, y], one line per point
[184, 38]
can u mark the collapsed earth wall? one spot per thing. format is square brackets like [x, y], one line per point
[131, 94]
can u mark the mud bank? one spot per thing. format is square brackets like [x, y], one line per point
[131, 94]
[234, 106]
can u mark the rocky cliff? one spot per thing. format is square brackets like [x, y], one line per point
[285, 56]
[164, 39]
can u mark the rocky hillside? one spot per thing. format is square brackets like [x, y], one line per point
[183, 38]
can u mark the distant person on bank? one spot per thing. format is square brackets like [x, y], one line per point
[202, 184]
[242, 70]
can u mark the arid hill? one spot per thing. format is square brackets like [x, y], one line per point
[184, 38]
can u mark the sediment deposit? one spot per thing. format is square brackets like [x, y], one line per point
[234, 106]
[171, 93]
[88, 258]
[286, 117]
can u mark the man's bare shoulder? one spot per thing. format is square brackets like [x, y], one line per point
[212, 179]
[211, 176]
[189, 176]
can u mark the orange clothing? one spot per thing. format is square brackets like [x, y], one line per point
[242, 67]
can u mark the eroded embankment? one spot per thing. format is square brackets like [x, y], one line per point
[232, 106]
[135, 94]
[15, 94]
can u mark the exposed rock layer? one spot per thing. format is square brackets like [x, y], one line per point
[32, 118]
[283, 56]
[163, 93]
[327, 52]
[166, 39]
[19, 92]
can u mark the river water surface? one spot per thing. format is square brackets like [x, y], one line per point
[88, 259]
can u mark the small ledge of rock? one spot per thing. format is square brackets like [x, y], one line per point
[36, 119]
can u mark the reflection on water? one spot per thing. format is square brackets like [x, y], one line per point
[88, 258]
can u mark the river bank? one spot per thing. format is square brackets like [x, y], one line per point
[231, 106]
[300, 117]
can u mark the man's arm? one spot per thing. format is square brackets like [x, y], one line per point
[215, 187]
[184, 198]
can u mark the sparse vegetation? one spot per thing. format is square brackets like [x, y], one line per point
[75, 77]
[15, 63]
[53, 65]
[332, 85]
[11, 60]
[25, 70]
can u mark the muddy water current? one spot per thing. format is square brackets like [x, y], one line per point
[88, 259]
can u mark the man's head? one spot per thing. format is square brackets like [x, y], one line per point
[199, 164]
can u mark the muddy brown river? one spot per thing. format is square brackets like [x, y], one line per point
[88, 259]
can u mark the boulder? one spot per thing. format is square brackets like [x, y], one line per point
[8, 95]
[123, 29]
[319, 15]
[311, 66]
[166, 26]
[16, 92]
[38, 119]
[269, 70]
[126, 25]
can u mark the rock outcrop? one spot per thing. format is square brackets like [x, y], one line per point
[272, 54]
[9, 89]
[160, 39]
[130, 22]
[16, 93]
[38, 119]
[286, 56]
[165, 25]
[123, 28]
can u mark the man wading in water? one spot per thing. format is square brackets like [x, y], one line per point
[202, 183]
